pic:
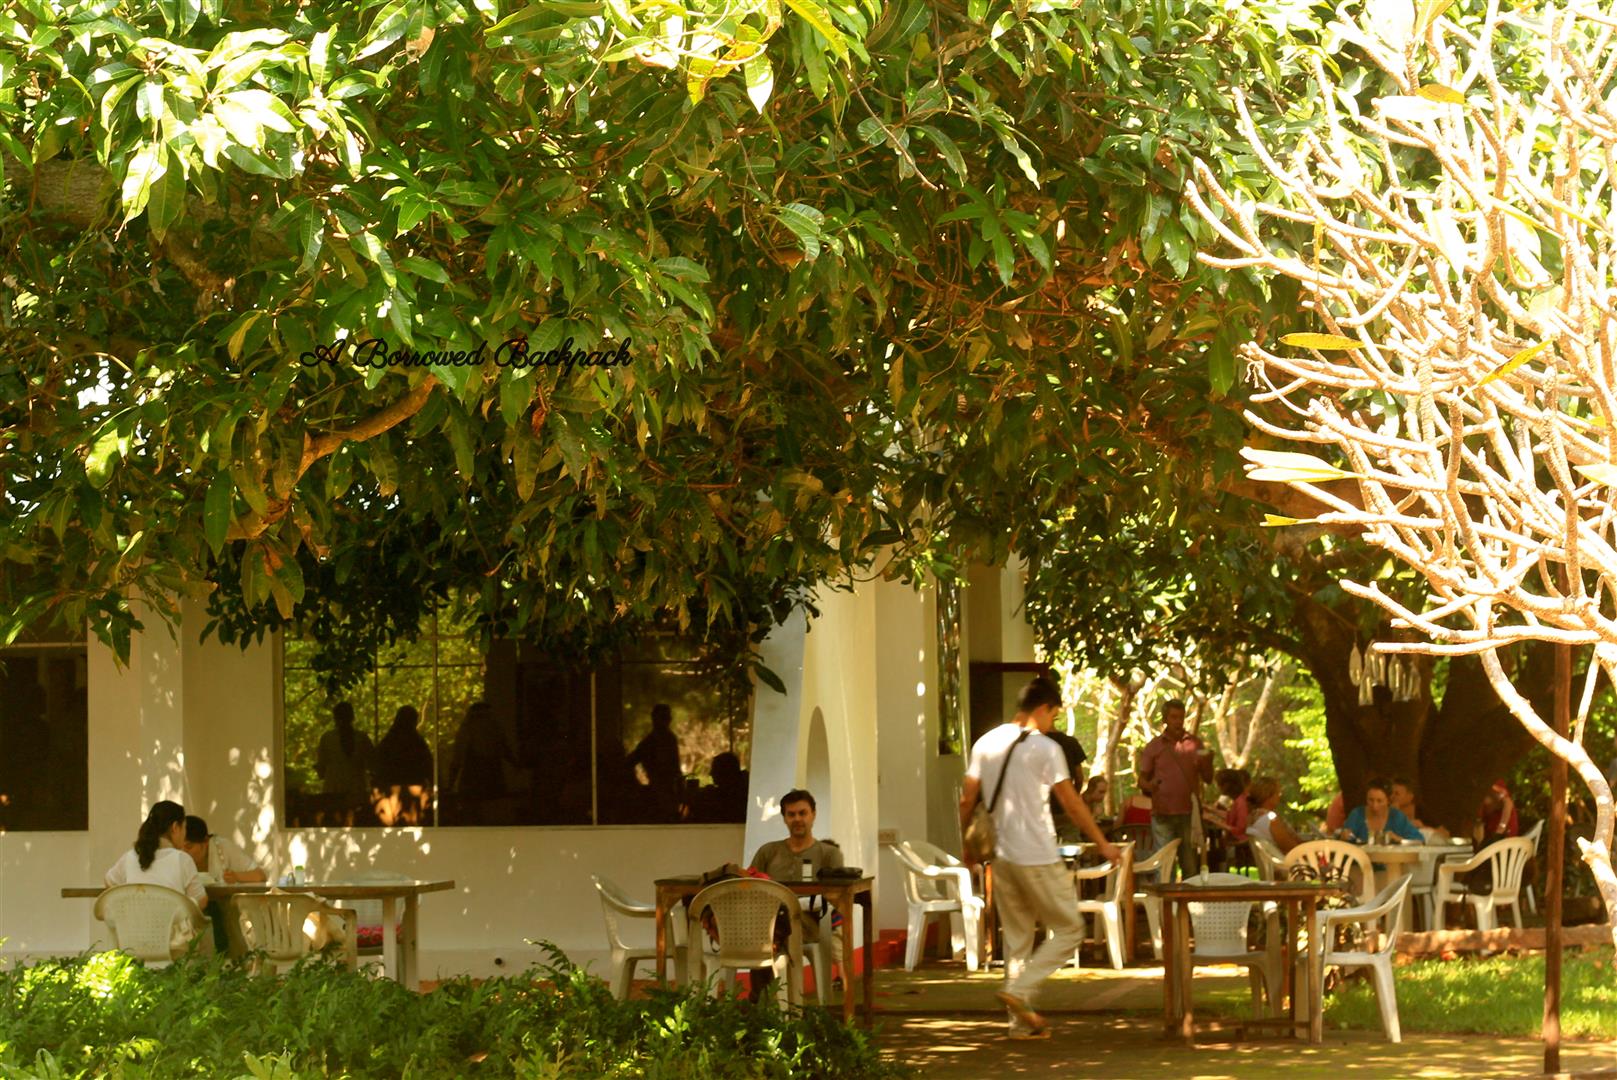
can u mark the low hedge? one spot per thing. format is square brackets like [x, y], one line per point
[107, 1015]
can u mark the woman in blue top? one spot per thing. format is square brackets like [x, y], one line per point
[1379, 815]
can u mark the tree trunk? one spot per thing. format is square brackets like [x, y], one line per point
[1110, 735]
[1452, 753]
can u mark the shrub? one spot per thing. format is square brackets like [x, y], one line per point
[106, 1014]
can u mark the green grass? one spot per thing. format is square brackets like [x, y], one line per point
[1501, 995]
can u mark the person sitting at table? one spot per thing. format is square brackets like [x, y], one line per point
[1264, 796]
[1228, 820]
[1403, 800]
[1378, 815]
[1496, 817]
[217, 856]
[1094, 796]
[158, 856]
[783, 860]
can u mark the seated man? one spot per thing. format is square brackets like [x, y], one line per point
[225, 863]
[218, 857]
[798, 857]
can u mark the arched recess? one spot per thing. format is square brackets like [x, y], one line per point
[817, 773]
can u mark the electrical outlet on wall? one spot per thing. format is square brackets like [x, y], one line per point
[886, 836]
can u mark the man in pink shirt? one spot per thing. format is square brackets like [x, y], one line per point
[1172, 767]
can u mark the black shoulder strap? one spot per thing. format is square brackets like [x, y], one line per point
[1002, 769]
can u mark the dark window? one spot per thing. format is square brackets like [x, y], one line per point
[515, 738]
[44, 734]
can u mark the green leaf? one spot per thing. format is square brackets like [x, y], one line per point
[816, 16]
[145, 169]
[760, 80]
[769, 678]
[239, 336]
[805, 222]
[98, 464]
[164, 201]
[319, 54]
[369, 246]
[216, 511]
[946, 146]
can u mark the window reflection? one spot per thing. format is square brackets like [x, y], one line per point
[445, 735]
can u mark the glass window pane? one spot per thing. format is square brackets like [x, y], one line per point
[44, 738]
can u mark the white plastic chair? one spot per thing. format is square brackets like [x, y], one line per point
[930, 889]
[1268, 857]
[155, 923]
[1109, 905]
[616, 907]
[1536, 835]
[1219, 932]
[1507, 857]
[1387, 907]
[1165, 860]
[286, 927]
[1333, 860]
[744, 912]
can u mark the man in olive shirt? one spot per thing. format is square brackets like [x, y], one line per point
[783, 860]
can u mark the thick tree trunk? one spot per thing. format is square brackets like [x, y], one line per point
[1453, 753]
[1475, 739]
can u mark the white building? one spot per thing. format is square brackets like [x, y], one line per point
[859, 726]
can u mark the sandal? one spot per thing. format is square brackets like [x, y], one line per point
[1024, 1012]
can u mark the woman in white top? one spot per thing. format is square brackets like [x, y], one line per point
[156, 858]
[1263, 796]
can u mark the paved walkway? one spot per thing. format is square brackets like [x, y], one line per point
[945, 1023]
[973, 1045]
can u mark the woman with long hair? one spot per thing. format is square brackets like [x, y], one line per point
[156, 857]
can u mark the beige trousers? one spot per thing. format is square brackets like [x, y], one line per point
[1027, 897]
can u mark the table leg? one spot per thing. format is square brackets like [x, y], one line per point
[409, 972]
[662, 937]
[1187, 1023]
[390, 945]
[1292, 937]
[990, 925]
[869, 988]
[1170, 969]
[1126, 896]
[1316, 1000]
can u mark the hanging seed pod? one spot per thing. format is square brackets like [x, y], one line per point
[1355, 667]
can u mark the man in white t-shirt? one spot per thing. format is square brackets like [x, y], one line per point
[1031, 884]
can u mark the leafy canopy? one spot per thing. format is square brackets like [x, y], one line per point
[895, 277]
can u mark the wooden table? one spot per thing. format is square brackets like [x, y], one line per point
[398, 951]
[842, 896]
[1302, 901]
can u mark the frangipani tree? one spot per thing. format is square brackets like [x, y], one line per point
[1462, 349]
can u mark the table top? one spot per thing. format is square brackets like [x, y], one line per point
[1252, 890]
[694, 882]
[336, 890]
[1411, 852]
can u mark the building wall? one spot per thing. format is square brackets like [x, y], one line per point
[197, 722]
